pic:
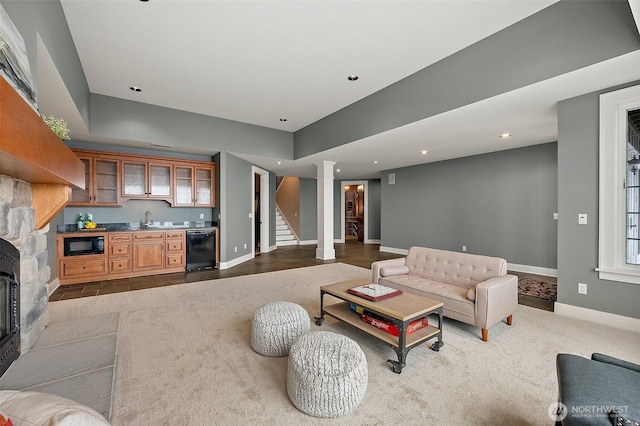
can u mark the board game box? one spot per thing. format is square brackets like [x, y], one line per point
[374, 292]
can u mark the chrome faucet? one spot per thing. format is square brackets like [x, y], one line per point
[146, 219]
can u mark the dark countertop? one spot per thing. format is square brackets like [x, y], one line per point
[135, 226]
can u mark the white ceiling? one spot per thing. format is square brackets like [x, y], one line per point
[260, 61]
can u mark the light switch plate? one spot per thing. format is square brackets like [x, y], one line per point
[582, 288]
[582, 219]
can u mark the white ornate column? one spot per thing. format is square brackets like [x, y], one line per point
[325, 249]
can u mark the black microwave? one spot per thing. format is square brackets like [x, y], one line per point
[80, 246]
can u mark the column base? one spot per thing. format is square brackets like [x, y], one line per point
[325, 254]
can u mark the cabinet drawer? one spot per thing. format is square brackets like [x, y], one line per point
[146, 236]
[119, 250]
[175, 260]
[79, 268]
[119, 265]
[175, 245]
[118, 238]
[174, 235]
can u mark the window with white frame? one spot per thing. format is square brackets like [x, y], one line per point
[619, 208]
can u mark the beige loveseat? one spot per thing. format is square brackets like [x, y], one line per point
[474, 289]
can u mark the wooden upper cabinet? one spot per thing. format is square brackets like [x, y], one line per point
[112, 178]
[102, 183]
[195, 186]
[145, 179]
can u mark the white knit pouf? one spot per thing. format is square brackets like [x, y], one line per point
[276, 326]
[327, 374]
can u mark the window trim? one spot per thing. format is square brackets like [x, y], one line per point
[612, 193]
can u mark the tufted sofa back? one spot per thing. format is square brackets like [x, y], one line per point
[450, 267]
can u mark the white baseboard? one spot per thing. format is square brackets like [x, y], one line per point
[372, 241]
[547, 272]
[53, 286]
[308, 242]
[236, 261]
[269, 249]
[394, 250]
[605, 318]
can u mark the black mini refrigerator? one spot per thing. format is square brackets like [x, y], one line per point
[201, 249]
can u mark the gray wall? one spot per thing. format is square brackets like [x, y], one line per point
[599, 30]
[237, 202]
[578, 145]
[497, 204]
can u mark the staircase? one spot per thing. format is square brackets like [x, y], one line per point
[284, 235]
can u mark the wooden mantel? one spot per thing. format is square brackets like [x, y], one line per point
[31, 152]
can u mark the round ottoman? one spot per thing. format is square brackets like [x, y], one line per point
[276, 326]
[327, 374]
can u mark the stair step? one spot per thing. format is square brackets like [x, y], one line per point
[284, 237]
[283, 232]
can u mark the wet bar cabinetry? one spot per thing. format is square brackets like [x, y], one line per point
[113, 178]
[126, 254]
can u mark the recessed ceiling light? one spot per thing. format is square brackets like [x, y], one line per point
[375, 162]
[338, 170]
[283, 119]
[505, 135]
[278, 162]
[352, 77]
[424, 152]
[135, 89]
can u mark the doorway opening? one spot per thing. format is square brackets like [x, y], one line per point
[354, 208]
[260, 228]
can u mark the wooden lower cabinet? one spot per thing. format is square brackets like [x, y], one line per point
[126, 254]
[83, 268]
[148, 251]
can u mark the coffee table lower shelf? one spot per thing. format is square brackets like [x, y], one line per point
[342, 312]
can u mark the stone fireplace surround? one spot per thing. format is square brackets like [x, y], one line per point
[17, 225]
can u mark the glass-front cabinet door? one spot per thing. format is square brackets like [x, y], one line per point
[134, 179]
[184, 186]
[107, 189]
[160, 180]
[83, 196]
[204, 187]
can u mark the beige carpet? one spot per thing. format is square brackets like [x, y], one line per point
[184, 357]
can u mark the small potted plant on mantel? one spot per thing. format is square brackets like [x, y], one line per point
[58, 126]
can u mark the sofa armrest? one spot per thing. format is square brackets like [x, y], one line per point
[615, 361]
[496, 299]
[389, 263]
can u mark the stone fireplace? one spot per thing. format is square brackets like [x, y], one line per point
[17, 227]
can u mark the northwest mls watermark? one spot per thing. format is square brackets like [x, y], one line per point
[559, 411]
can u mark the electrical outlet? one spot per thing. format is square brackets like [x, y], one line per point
[582, 219]
[582, 288]
[464, 248]
[235, 249]
[201, 215]
[245, 246]
[555, 216]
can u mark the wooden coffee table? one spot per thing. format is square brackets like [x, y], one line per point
[401, 310]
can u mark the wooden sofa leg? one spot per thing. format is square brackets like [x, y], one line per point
[510, 320]
[485, 334]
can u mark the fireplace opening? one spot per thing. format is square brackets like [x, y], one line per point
[9, 304]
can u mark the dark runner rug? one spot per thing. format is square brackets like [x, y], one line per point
[537, 288]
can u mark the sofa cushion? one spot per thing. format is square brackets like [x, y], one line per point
[456, 304]
[41, 409]
[449, 267]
